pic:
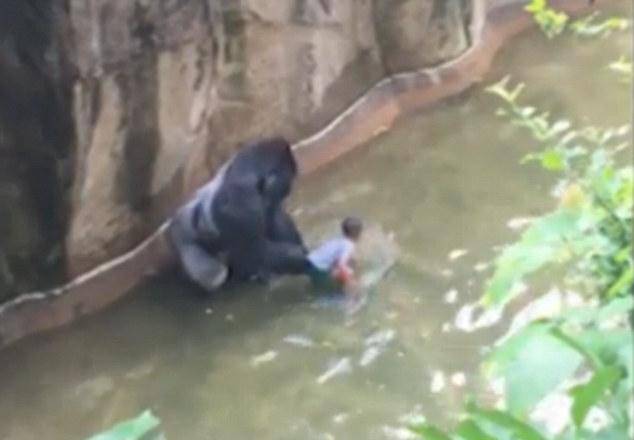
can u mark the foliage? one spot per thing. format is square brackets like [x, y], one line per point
[589, 234]
[583, 356]
[554, 23]
[594, 26]
[622, 67]
[143, 427]
[590, 230]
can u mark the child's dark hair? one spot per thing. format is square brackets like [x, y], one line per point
[352, 227]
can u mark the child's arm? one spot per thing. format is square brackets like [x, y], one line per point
[345, 273]
[347, 260]
[344, 266]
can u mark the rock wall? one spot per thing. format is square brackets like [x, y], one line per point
[159, 92]
[36, 140]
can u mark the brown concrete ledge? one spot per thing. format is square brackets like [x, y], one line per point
[369, 116]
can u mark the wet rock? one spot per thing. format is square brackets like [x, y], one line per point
[451, 296]
[459, 379]
[340, 418]
[519, 222]
[376, 345]
[437, 382]
[457, 253]
[413, 417]
[381, 337]
[299, 340]
[472, 317]
[369, 355]
[91, 392]
[342, 366]
[480, 267]
[263, 358]
[398, 433]
[141, 371]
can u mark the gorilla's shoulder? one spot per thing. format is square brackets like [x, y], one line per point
[265, 155]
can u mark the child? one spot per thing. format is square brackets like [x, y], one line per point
[333, 260]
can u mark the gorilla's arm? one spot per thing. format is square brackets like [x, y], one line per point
[266, 257]
[194, 258]
[205, 270]
[240, 212]
[282, 228]
[284, 258]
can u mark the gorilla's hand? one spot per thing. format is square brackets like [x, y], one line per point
[282, 228]
[286, 258]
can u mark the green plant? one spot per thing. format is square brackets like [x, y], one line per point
[143, 427]
[554, 23]
[582, 356]
[623, 67]
[590, 230]
[589, 235]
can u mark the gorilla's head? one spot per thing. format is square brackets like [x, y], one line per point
[274, 165]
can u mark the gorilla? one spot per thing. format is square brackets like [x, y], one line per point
[235, 227]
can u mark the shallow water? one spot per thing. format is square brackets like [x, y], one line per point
[267, 363]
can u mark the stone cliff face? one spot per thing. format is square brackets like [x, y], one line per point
[36, 141]
[134, 103]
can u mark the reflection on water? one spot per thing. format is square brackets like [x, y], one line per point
[265, 362]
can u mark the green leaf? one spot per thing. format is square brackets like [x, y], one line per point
[624, 254]
[515, 263]
[535, 356]
[571, 342]
[543, 242]
[612, 346]
[623, 285]
[535, 6]
[590, 27]
[499, 89]
[517, 91]
[469, 430]
[134, 429]
[592, 315]
[623, 68]
[553, 160]
[502, 425]
[429, 432]
[589, 394]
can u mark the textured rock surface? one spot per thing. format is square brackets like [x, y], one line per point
[163, 90]
[412, 33]
[35, 143]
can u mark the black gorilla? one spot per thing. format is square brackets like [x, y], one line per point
[236, 226]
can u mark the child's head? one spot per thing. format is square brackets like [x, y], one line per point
[352, 228]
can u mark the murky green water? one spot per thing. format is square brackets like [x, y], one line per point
[253, 363]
